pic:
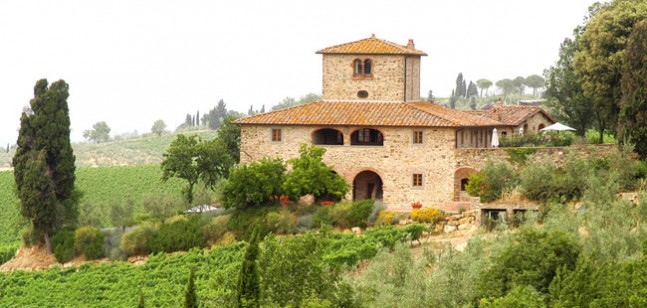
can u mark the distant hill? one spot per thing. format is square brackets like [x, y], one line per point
[128, 152]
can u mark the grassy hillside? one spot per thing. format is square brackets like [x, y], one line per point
[137, 151]
[99, 186]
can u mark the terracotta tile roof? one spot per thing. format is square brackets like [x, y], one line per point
[372, 45]
[510, 115]
[356, 113]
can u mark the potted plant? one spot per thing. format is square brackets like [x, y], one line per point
[416, 205]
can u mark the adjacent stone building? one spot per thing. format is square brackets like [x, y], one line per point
[379, 135]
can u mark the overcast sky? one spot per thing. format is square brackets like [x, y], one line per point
[130, 62]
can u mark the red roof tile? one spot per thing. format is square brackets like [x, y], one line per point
[371, 45]
[370, 114]
[511, 115]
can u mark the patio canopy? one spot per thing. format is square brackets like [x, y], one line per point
[557, 126]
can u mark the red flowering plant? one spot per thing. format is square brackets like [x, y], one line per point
[416, 205]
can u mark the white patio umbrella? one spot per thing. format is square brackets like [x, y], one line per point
[557, 126]
[495, 139]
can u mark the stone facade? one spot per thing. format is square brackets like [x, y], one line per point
[395, 162]
[387, 82]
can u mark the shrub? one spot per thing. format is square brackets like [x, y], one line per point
[427, 215]
[322, 217]
[386, 218]
[135, 242]
[491, 181]
[340, 214]
[360, 212]
[180, 235]
[305, 221]
[255, 184]
[309, 175]
[8, 251]
[386, 237]
[537, 180]
[377, 208]
[112, 242]
[243, 221]
[63, 246]
[162, 206]
[415, 231]
[215, 229]
[89, 242]
[30, 237]
[280, 222]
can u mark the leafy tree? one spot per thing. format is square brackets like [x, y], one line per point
[634, 90]
[564, 92]
[193, 159]
[599, 59]
[100, 132]
[519, 84]
[121, 213]
[249, 289]
[285, 103]
[254, 184]
[44, 162]
[190, 298]
[309, 175]
[158, 127]
[491, 181]
[535, 82]
[229, 135]
[506, 86]
[483, 84]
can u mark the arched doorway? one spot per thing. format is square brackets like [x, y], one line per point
[367, 185]
[461, 179]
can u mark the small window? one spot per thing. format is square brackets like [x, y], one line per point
[417, 137]
[362, 94]
[541, 126]
[276, 134]
[417, 180]
[357, 67]
[367, 67]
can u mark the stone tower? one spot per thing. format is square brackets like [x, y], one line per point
[371, 70]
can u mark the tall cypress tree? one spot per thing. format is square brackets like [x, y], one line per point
[190, 298]
[44, 162]
[249, 289]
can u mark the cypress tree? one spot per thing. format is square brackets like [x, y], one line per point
[44, 162]
[190, 298]
[249, 281]
[197, 118]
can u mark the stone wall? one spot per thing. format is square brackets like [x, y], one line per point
[476, 158]
[386, 84]
[395, 162]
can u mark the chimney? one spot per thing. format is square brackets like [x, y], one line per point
[410, 45]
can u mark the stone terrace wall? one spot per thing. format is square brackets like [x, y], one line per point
[476, 158]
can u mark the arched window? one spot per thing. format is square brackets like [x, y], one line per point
[357, 67]
[366, 136]
[328, 136]
[541, 126]
[368, 67]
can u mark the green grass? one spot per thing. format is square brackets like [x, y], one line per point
[137, 151]
[98, 184]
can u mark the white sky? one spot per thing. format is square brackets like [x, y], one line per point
[130, 62]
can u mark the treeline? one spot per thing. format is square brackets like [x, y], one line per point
[599, 79]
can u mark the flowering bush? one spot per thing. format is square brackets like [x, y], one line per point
[386, 218]
[427, 215]
[416, 205]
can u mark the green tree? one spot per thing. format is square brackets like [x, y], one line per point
[506, 86]
[566, 98]
[461, 89]
[634, 90]
[251, 111]
[519, 84]
[44, 162]
[430, 96]
[254, 184]
[285, 103]
[190, 298]
[158, 127]
[599, 59]
[121, 213]
[472, 90]
[309, 175]
[483, 84]
[249, 290]
[535, 82]
[229, 135]
[100, 132]
[193, 159]
[453, 99]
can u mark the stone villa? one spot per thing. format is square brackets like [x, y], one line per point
[379, 135]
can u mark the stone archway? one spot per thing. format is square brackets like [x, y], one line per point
[367, 185]
[461, 178]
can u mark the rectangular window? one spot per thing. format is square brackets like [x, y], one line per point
[276, 134]
[417, 137]
[417, 180]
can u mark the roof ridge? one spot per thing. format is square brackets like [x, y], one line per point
[403, 49]
[410, 104]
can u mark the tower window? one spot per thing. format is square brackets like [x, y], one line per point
[362, 94]
[358, 69]
[367, 67]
